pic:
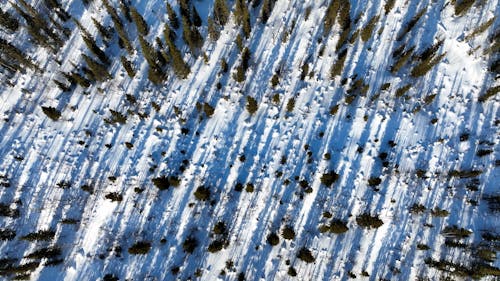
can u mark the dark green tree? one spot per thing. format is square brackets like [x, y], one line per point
[172, 17]
[221, 12]
[140, 23]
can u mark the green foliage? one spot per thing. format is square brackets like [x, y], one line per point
[338, 66]
[266, 10]
[424, 66]
[389, 4]
[51, 112]
[368, 221]
[401, 91]
[216, 245]
[41, 235]
[202, 193]
[127, 65]
[331, 15]
[213, 30]
[164, 182]
[140, 248]
[290, 105]
[140, 23]
[273, 239]
[191, 36]
[242, 16]
[438, 212]
[288, 233]
[417, 208]
[122, 34]
[14, 56]
[99, 71]
[117, 117]
[105, 32]
[190, 244]
[252, 105]
[336, 226]
[366, 32]
[48, 252]
[221, 12]
[329, 178]
[172, 17]
[7, 234]
[114, 196]
[401, 60]
[306, 255]
[8, 21]
[462, 6]
[456, 232]
[491, 92]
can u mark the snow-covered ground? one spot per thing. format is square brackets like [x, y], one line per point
[411, 143]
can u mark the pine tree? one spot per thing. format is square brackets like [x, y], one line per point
[266, 10]
[92, 46]
[14, 54]
[213, 30]
[118, 26]
[142, 26]
[221, 12]
[242, 16]
[191, 36]
[128, 66]
[105, 32]
[169, 33]
[172, 17]
[98, 70]
[8, 21]
[196, 18]
[149, 52]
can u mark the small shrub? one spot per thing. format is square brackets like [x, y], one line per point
[208, 109]
[202, 193]
[290, 105]
[329, 178]
[437, 212]
[41, 235]
[220, 228]
[7, 211]
[252, 105]
[49, 252]
[51, 112]
[114, 196]
[249, 187]
[483, 152]
[422, 247]
[273, 239]
[374, 181]
[456, 232]
[288, 233]
[465, 174]
[306, 255]
[291, 271]
[462, 6]
[189, 245]
[338, 227]
[140, 248]
[216, 246]
[164, 182]
[417, 208]
[116, 117]
[368, 221]
[7, 234]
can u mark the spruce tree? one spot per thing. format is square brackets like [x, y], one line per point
[221, 12]
[213, 30]
[98, 70]
[128, 66]
[142, 26]
[242, 16]
[172, 17]
[105, 32]
[8, 21]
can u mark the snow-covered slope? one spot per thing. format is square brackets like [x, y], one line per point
[417, 151]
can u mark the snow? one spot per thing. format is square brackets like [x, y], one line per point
[52, 152]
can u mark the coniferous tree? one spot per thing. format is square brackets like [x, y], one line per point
[191, 36]
[169, 33]
[92, 46]
[172, 17]
[266, 10]
[213, 30]
[181, 69]
[128, 66]
[196, 18]
[105, 32]
[8, 21]
[331, 15]
[13, 54]
[221, 12]
[142, 26]
[185, 8]
[122, 34]
[98, 70]
[242, 16]
[125, 7]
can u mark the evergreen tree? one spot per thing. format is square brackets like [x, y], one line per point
[242, 16]
[169, 33]
[191, 36]
[125, 7]
[8, 21]
[213, 30]
[105, 32]
[331, 15]
[92, 46]
[196, 18]
[98, 70]
[122, 34]
[128, 66]
[221, 12]
[181, 69]
[142, 26]
[266, 10]
[185, 9]
[172, 17]
[15, 55]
